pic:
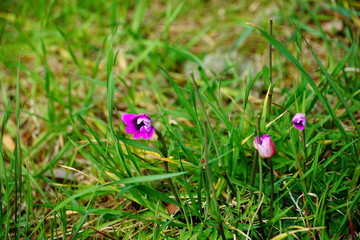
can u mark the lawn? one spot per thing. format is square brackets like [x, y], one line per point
[179, 119]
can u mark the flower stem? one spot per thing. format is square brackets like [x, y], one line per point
[260, 178]
[161, 139]
[260, 197]
[166, 164]
[305, 152]
[272, 188]
[221, 229]
[306, 184]
[171, 184]
[260, 188]
[253, 171]
[305, 157]
[271, 213]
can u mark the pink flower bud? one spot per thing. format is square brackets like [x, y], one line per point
[265, 146]
[299, 121]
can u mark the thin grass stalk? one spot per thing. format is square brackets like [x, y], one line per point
[270, 68]
[212, 134]
[212, 190]
[5, 216]
[2, 169]
[269, 113]
[17, 158]
[232, 188]
[110, 88]
[207, 194]
[354, 180]
[206, 116]
[28, 194]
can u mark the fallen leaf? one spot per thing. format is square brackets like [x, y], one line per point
[9, 142]
[172, 209]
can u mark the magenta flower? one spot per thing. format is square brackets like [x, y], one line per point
[138, 124]
[265, 146]
[299, 121]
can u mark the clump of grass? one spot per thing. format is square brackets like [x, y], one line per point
[69, 170]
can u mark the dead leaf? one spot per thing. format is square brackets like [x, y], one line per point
[172, 209]
[9, 143]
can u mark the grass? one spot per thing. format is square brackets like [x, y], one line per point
[200, 70]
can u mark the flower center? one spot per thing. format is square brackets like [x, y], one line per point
[143, 123]
[299, 123]
[140, 125]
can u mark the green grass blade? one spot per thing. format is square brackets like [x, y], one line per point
[333, 85]
[132, 180]
[50, 164]
[352, 205]
[18, 160]
[72, 54]
[186, 54]
[281, 48]
[140, 11]
[185, 102]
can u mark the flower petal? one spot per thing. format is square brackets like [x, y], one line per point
[142, 118]
[128, 117]
[144, 135]
[151, 132]
[256, 142]
[131, 129]
[269, 147]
